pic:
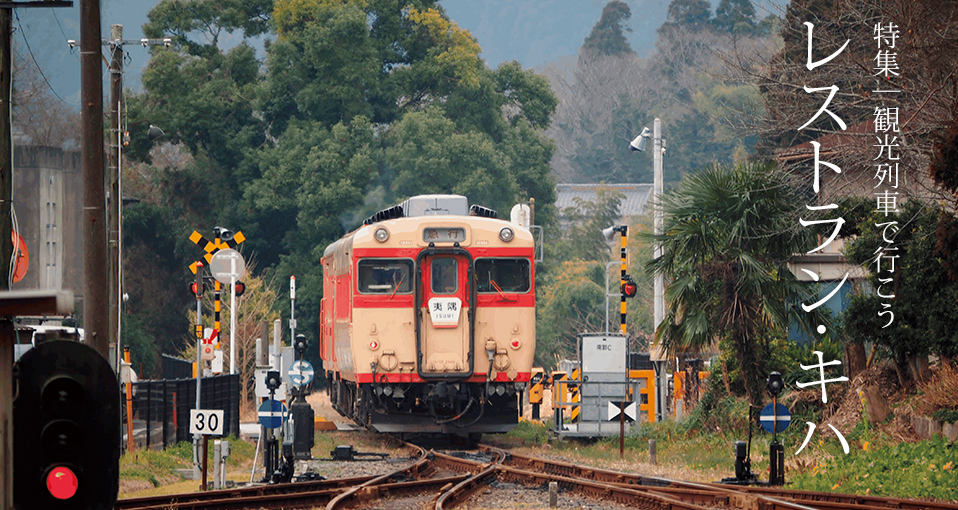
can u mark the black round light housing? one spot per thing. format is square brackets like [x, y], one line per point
[775, 384]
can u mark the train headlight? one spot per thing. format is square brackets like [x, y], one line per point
[506, 234]
[381, 235]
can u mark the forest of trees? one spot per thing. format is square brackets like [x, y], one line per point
[359, 104]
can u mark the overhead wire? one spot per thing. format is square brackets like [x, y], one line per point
[13, 211]
[63, 32]
[34, 58]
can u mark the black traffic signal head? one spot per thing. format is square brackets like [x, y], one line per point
[300, 344]
[775, 384]
[273, 380]
[66, 429]
[198, 285]
[240, 288]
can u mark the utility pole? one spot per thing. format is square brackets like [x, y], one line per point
[657, 354]
[6, 146]
[96, 314]
[6, 251]
[118, 138]
[115, 201]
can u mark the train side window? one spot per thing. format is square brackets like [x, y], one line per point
[445, 276]
[385, 276]
[503, 275]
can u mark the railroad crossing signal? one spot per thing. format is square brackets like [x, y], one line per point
[210, 247]
[66, 429]
[227, 265]
[629, 287]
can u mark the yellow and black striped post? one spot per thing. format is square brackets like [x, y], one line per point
[217, 287]
[574, 394]
[624, 230]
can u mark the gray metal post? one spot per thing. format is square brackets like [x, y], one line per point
[217, 463]
[277, 361]
[657, 354]
[278, 356]
[292, 308]
[199, 364]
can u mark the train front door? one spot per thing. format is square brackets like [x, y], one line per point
[444, 324]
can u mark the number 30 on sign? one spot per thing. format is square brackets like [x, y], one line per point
[206, 422]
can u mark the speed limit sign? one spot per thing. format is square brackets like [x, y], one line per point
[207, 422]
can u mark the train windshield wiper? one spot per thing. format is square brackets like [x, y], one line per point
[402, 279]
[499, 290]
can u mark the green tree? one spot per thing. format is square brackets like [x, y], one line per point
[690, 13]
[309, 76]
[287, 151]
[736, 16]
[582, 236]
[922, 310]
[572, 303]
[727, 237]
[606, 37]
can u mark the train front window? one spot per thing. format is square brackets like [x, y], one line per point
[445, 275]
[384, 276]
[503, 275]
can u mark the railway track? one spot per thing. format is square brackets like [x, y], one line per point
[725, 496]
[444, 480]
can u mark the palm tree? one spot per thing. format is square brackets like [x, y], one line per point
[727, 236]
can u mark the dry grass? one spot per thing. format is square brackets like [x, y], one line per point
[940, 392]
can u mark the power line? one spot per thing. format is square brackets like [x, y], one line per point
[34, 58]
[65, 38]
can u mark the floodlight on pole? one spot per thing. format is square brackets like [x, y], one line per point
[638, 143]
[657, 354]
[154, 133]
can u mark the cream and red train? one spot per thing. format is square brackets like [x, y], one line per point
[428, 318]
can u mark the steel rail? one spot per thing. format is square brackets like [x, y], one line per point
[191, 499]
[630, 496]
[772, 498]
[872, 502]
[358, 492]
[464, 489]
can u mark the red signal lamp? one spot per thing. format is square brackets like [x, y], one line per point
[240, 288]
[197, 289]
[629, 287]
[62, 482]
